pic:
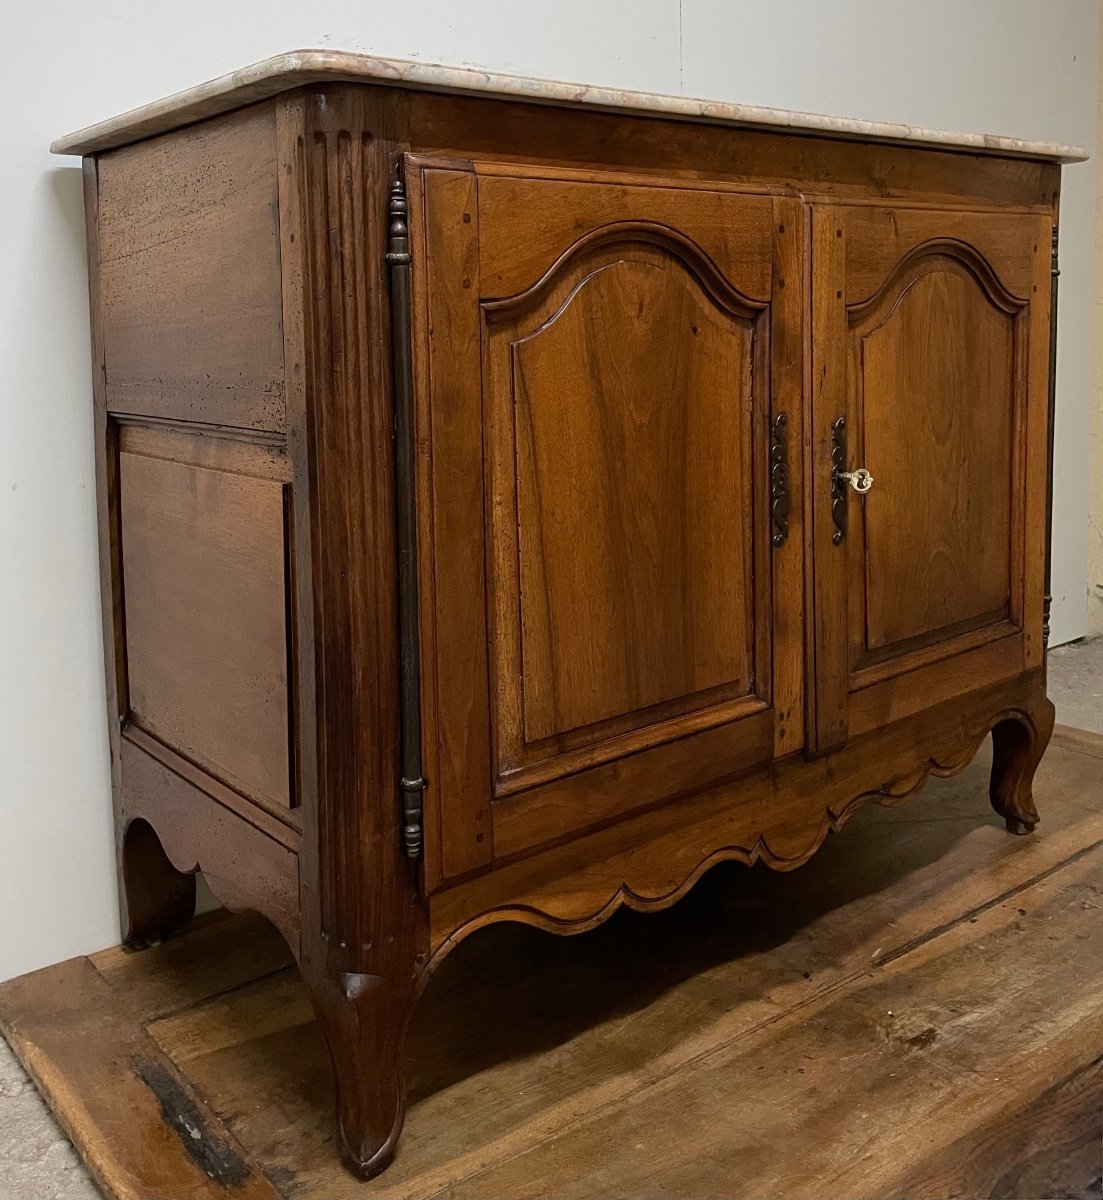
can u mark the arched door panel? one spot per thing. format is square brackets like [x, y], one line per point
[930, 328]
[608, 622]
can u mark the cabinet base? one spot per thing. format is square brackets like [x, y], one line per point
[779, 817]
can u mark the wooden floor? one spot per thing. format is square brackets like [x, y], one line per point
[918, 1012]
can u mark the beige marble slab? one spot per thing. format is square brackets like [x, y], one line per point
[302, 67]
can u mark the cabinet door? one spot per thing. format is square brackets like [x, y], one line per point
[930, 369]
[607, 622]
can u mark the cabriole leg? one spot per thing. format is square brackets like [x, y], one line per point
[1017, 749]
[364, 1018]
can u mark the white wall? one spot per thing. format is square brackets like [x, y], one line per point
[1095, 510]
[1025, 67]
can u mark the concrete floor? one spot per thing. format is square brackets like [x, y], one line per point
[37, 1162]
[1076, 684]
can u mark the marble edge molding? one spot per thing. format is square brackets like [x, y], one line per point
[299, 68]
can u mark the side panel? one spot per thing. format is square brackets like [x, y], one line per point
[189, 264]
[194, 482]
[204, 561]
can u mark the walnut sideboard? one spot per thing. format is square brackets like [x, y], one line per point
[516, 498]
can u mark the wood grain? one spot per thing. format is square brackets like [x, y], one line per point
[652, 859]
[51, 1019]
[245, 867]
[930, 578]
[363, 918]
[503, 129]
[593, 540]
[1049, 1146]
[220, 952]
[731, 227]
[204, 571]
[943, 420]
[624, 602]
[189, 269]
[923, 1058]
[615, 626]
[452, 505]
[828, 664]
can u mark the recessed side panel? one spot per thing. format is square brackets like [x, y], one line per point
[204, 574]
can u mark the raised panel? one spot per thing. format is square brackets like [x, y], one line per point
[929, 336]
[622, 431]
[936, 388]
[631, 400]
[206, 637]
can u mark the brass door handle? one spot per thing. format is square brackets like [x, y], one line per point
[861, 480]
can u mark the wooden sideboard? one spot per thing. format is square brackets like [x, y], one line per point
[516, 499]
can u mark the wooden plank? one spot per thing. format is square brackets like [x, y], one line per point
[787, 369]
[881, 237]
[1083, 741]
[528, 220]
[189, 270]
[781, 817]
[244, 866]
[581, 1023]
[827, 666]
[680, 767]
[106, 1080]
[849, 1089]
[507, 131]
[1050, 1147]
[455, 692]
[218, 954]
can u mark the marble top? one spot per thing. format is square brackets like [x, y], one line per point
[302, 67]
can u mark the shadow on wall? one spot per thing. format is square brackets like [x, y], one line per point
[67, 188]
